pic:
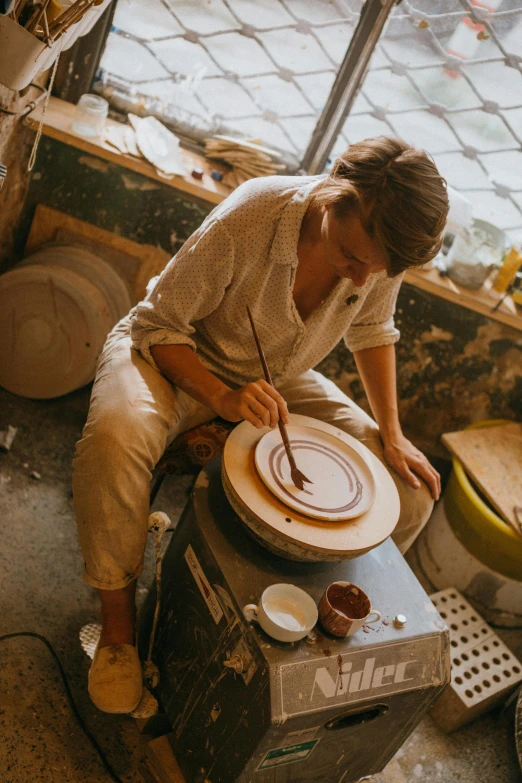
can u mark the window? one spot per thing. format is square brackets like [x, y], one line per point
[446, 75]
[260, 68]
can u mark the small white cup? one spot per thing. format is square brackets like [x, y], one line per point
[285, 612]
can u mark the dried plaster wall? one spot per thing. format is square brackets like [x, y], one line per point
[110, 197]
[454, 366]
[15, 147]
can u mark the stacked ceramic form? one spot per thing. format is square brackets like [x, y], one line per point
[58, 306]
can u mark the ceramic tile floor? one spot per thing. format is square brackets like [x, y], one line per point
[40, 591]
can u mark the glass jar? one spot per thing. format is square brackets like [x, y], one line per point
[89, 115]
[474, 254]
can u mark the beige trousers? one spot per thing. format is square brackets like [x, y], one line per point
[135, 413]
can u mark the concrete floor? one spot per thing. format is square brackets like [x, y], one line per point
[41, 591]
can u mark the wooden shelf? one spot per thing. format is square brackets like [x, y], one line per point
[57, 125]
[481, 301]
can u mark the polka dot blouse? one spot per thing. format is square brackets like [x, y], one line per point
[245, 252]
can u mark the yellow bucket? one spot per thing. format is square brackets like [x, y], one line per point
[484, 534]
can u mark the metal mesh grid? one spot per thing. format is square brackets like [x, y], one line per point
[447, 76]
[263, 68]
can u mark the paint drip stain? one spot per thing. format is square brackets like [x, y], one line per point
[340, 667]
[354, 484]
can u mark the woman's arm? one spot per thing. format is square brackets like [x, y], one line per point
[257, 402]
[376, 367]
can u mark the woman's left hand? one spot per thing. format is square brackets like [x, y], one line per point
[410, 463]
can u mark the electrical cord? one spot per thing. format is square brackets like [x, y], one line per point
[70, 699]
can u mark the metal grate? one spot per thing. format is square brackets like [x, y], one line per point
[263, 69]
[447, 76]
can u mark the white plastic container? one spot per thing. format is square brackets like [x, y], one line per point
[22, 55]
[446, 562]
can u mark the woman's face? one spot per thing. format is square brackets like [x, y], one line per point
[353, 254]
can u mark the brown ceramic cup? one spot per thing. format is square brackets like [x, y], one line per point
[344, 608]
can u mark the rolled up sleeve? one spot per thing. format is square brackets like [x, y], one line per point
[374, 324]
[191, 287]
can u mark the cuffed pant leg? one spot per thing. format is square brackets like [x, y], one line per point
[311, 394]
[134, 413]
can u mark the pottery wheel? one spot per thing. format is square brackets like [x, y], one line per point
[341, 482]
[290, 532]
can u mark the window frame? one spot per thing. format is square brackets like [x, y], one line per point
[78, 66]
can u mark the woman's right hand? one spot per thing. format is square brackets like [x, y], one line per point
[257, 402]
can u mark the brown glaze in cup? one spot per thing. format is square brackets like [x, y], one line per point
[344, 608]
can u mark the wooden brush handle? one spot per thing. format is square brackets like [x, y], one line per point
[69, 17]
[286, 441]
[266, 371]
[268, 379]
[37, 16]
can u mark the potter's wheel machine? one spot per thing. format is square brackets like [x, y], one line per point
[352, 506]
[245, 708]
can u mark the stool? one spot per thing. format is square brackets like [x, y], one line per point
[190, 450]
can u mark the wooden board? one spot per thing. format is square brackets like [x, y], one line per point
[492, 457]
[341, 539]
[482, 301]
[163, 761]
[135, 262]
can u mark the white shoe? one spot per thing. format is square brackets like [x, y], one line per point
[115, 678]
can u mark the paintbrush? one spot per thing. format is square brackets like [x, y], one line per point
[69, 17]
[33, 19]
[19, 7]
[297, 476]
[37, 17]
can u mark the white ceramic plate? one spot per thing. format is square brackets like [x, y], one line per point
[343, 485]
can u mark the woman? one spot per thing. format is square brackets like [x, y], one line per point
[317, 259]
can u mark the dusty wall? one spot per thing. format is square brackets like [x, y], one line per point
[110, 197]
[454, 366]
[15, 147]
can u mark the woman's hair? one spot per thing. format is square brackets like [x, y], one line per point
[400, 196]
